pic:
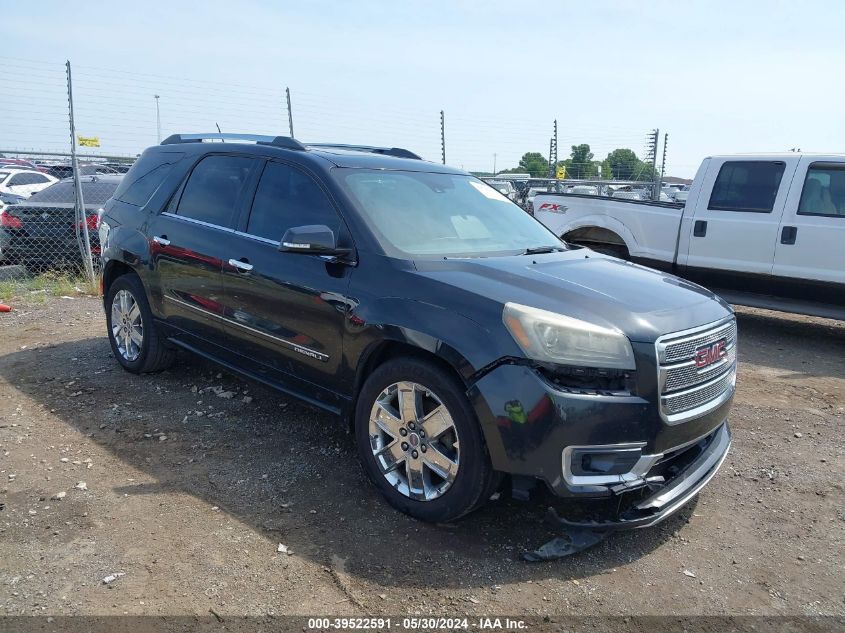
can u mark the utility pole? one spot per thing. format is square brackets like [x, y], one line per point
[663, 162]
[158, 120]
[494, 163]
[652, 142]
[290, 112]
[553, 155]
[443, 136]
[81, 219]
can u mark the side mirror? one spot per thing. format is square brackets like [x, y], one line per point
[312, 239]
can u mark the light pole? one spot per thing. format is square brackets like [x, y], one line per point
[494, 163]
[158, 120]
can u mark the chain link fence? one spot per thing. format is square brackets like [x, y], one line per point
[52, 183]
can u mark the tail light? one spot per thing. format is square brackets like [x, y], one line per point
[92, 221]
[9, 221]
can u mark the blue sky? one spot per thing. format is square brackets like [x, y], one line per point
[719, 77]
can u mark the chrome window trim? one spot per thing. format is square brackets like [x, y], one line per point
[225, 229]
[300, 349]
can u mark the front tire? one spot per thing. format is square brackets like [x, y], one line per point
[135, 340]
[420, 442]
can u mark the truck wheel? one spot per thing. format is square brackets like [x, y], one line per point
[134, 338]
[420, 442]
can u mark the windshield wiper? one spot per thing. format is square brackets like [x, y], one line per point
[537, 250]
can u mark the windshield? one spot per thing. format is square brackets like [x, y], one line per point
[442, 215]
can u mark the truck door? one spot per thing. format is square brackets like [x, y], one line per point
[810, 244]
[735, 221]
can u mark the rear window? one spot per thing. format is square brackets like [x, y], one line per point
[145, 176]
[92, 193]
[749, 186]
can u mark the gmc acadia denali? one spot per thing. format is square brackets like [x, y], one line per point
[460, 339]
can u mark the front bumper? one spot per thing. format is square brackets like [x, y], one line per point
[644, 509]
[529, 423]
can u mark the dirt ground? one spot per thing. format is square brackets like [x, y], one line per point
[188, 494]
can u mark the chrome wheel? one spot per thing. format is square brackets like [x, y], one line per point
[127, 328]
[414, 440]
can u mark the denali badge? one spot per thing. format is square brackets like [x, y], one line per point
[709, 354]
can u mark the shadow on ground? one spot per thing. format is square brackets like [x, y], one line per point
[283, 469]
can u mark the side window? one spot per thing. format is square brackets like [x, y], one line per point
[824, 190]
[142, 180]
[749, 186]
[214, 188]
[287, 197]
[26, 179]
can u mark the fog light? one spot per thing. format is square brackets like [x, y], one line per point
[607, 464]
[604, 462]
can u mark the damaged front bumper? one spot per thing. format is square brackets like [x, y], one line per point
[609, 458]
[669, 485]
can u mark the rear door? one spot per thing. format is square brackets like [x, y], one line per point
[810, 245]
[735, 220]
[190, 240]
[286, 310]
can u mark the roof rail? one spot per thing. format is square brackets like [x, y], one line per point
[387, 151]
[277, 141]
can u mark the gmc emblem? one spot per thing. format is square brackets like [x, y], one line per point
[709, 354]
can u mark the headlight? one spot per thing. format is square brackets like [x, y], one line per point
[555, 338]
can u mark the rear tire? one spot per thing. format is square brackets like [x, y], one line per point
[428, 458]
[135, 340]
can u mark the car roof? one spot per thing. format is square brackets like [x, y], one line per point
[16, 168]
[317, 154]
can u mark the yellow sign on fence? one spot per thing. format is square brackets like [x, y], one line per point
[561, 172]
[88, 141]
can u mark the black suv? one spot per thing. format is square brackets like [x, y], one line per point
[460, 339]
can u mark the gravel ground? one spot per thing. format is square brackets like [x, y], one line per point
[182, 486]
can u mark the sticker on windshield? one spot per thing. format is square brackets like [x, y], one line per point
[488, 191]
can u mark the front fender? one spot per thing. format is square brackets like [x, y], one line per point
[460, 341]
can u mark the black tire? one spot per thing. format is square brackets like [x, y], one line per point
[475, 479]
[154, 354]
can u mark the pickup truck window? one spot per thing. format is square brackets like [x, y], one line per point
[747, 186]
[824, 191]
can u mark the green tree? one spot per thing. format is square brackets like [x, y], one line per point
[623, 164]
[580, 164]
[534, 164]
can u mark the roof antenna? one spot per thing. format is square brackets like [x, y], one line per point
[219, 132]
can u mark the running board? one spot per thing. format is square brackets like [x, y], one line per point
[780, 304]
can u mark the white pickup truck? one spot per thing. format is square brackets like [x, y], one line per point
[761, 230]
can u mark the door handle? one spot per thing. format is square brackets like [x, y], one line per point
[242, 266]
[161, 240]
[699, 229]
[788, 234]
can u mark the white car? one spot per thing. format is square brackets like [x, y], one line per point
[24, 182]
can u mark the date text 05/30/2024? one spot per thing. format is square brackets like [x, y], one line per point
[418, 623]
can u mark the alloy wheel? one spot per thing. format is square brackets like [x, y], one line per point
[127, 327]
[414, 441]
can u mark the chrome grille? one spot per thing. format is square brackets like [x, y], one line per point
[686, 400]
[684, 375]
[684, 348]
[688, 391]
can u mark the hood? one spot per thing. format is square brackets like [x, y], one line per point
[641, 302]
